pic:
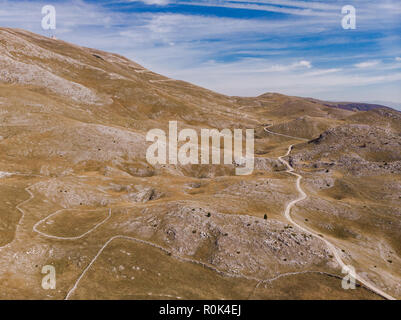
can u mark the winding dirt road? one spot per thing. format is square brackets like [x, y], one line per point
[287, 214]
[125, 237]
[303, 196]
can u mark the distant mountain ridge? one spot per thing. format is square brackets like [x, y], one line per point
[350, 106]
[355, 106]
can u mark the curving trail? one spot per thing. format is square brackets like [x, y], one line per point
[205, 265]
[22, 216]
[303, 196]
[287, 214]
[71, 291]
[283, 135]
[18, 207]
[67, 238]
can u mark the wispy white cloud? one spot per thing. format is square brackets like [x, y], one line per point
[323, 72]
[238, 56]
[367, 64]
[263, 7]
[303, 64]
[153, 2]
[298, 4]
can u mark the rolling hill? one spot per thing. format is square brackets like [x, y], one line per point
[77, 191]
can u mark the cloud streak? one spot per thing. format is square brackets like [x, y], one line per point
[289, 46]
[262, 7]
[367, 64]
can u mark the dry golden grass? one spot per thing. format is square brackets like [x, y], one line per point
[80, 146]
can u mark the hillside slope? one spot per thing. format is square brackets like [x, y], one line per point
[77, 192]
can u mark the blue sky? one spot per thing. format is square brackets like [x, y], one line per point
[241, 47]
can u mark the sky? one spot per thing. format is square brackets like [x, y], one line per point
[240, 47]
